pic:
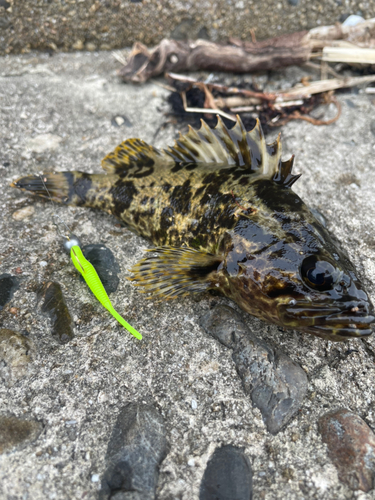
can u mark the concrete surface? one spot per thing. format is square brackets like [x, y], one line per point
[76, 390]
[51, 25]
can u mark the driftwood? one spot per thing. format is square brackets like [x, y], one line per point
[244, 57]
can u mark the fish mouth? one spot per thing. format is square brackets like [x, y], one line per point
[334, 322]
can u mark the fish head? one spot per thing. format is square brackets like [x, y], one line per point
[282, 265]
[329, 301]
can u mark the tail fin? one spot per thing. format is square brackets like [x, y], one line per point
[52, 186]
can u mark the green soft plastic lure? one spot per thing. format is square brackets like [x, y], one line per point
[96, 286]
[71, 245]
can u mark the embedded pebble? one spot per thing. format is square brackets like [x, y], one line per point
[228, 476]
[105, 264]
[8, 285]
[23, 213]
[120, 120]
[136, 448]
[351, 447]
[14, 354]
[353, 20]
[55, 307]
[225, 324]
[276, 384]
[15, 432]
[43, 142]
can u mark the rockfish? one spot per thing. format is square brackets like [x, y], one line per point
[219, 207]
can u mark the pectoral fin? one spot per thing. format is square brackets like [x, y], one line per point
[173, 272]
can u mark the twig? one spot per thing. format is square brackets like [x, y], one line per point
[253, 37]
[164, 86]
[296, 115]
[323, 86]
[230, 90]
[205, 110]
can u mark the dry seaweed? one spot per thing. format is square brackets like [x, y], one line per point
[191, 100]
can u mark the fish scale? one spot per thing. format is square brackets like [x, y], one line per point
[220, 208]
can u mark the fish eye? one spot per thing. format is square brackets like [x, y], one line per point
[318, 274]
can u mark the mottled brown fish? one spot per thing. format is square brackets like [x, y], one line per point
[220, 208]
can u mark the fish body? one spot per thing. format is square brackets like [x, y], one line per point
[219, 207]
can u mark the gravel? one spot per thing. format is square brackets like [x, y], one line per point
[75, 391]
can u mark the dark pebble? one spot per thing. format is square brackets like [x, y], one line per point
[8, 285]
[351, 447]
[343, 17]
[5, 4]
[15, 432]
[276, 384]
[293, 2]
[372, 127]
[228, 476]
[105, 264]
[55, 307]
[136, 448]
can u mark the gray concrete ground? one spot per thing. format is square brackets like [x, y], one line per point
[76, 390]
[96, 25]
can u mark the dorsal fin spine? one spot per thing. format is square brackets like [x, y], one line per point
[221, 146]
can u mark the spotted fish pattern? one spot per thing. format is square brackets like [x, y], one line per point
[219, 207]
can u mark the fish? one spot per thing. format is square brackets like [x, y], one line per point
[220, 209]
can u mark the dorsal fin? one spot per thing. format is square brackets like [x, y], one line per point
[221, 146]
[133, 153]
[233, 146]
[225, 146]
